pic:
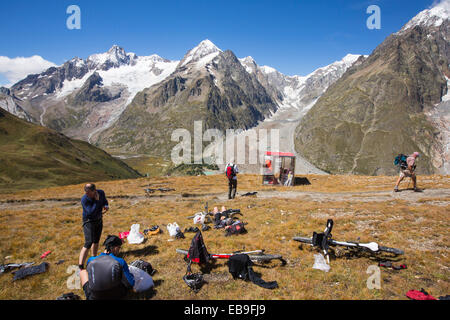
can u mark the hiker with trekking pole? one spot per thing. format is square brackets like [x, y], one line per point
[407, 168]
[94, 205]
[231, 172]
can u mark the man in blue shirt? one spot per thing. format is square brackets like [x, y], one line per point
[107, 276]
[94, 205]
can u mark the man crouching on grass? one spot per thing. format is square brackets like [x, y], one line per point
[94, 205]
[409, 172]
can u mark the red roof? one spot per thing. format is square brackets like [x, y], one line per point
[279, 154]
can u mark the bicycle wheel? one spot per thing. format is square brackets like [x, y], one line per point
[262, 257]
[303, 239]
[391, 250]
[192, 217]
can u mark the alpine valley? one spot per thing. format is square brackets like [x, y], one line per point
[352, 116]
[395, 101]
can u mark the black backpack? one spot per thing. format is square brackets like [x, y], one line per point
[144, 265]
[104, 273]
[197, 251]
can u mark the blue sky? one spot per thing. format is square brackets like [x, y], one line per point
[295, 36]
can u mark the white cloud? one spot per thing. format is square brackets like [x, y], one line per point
[441, 3]
[16, 69]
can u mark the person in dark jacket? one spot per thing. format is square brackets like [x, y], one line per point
[231, 171]
[107, 276]
[94, 205]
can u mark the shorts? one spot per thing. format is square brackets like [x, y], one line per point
[92, 232]
[406, 173]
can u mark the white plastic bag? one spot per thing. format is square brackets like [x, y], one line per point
[135, 237]
[320, 263]
[142, 280]
[199, 218]
[173, 229]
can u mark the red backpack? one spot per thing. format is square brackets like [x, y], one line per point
[419, 295]
[230, 172]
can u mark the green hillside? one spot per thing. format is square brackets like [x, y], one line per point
[32, 157]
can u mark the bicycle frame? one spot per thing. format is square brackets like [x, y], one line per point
[228, 255]
[225, 255]
[372, 246]
[324, 241]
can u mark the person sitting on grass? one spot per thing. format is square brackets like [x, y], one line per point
[107, 276]
[221, 220]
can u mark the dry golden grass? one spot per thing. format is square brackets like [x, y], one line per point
[30, 224]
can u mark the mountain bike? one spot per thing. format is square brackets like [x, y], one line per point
[256, 256]
[324, 240]
[149, 191]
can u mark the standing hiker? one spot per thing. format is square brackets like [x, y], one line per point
[231, 171]
[289, 178]
[408, 171]
[94, 205]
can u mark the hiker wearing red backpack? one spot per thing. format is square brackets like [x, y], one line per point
[231, 171]
[409, 172]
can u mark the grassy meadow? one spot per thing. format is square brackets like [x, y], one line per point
[34, 221]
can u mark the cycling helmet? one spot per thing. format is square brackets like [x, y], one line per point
[194, 281]
[112, 241]
[144, 265]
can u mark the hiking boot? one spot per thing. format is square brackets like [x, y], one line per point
[417, 189]
[396, 189]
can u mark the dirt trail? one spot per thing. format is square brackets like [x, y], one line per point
[439, 197]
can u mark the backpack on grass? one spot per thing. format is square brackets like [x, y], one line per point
[197, 251]
[236, 228]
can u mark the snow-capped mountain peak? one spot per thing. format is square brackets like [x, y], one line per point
[113, 58]
[78, 62]
[248, 59]
[432, 17]
[116, 49]
[204, 52]
[205, 47]
[350, 59]
[267, 69]
[249, 64]
[341, 65]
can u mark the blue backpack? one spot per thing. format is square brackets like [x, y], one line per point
[400, 161]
